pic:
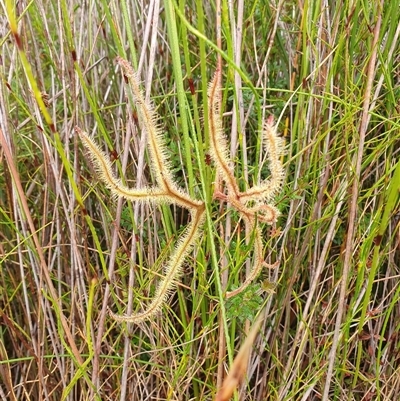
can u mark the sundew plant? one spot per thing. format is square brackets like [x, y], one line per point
[168, 191]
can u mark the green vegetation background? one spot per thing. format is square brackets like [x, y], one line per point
[329, 73]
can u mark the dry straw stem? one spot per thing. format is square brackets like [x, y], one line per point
[256, 196]
[166, 191]
[238, 369]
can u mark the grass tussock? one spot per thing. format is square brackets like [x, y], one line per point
[328, 74]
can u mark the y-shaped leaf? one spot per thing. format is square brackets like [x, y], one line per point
[166, 191]
[257, 195]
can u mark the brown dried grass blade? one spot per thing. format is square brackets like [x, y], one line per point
[239, 366]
